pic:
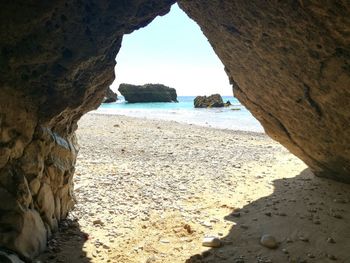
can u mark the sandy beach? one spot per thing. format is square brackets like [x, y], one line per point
[150, 191]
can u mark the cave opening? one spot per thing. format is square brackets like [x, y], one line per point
[239, 193]
[173, 51]
[154, 191]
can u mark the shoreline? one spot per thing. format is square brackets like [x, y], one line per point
[178, 122]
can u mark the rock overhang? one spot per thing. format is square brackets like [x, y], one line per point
[288, 64]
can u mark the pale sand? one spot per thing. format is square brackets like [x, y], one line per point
[156, 188]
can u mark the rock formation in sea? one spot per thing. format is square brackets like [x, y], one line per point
[212, 101]
[288, 63]
[147, 93]
[110, 96]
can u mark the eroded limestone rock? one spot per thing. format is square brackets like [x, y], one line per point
[147, 93]
[211, 101]
[288, 63]
[56, 60]
[110, 96]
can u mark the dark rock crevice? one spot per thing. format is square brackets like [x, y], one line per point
[311, 102]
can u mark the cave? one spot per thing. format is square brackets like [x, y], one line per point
[288, 63]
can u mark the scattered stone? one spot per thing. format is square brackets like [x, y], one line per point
[330, 240]
[211, 242]
[268, 241]
[303, 238]
[268, 214]
[239, 259]
[206, 224]
[106, 246]
[341, 201]
[338, 216]
[316, 221]
[285, 251]
[97, 222]
[331, 257]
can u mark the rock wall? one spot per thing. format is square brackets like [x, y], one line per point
[110, 96]
[289, 64]
[56, 60]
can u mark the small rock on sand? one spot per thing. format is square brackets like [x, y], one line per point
[211, 242]
[268, 241]
[97, 222]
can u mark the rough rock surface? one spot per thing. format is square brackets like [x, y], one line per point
[110, 96]
[289, 64]
[8, 257]
[147, 93]
[211, 101]
[56, 60]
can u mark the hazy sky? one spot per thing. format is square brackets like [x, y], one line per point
[173, 51]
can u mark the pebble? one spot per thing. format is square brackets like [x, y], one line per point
[268, 214]
[338, 216]
[316, 221]
[330, 240]
[97, 222]
[206, 224]
[332, 257]
[268, 241]
[302, 238]
[239, 260]
[211, 242]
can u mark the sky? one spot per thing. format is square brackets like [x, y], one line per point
[172, 50]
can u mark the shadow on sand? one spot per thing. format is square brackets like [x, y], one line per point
[66, 246]
[308, 216]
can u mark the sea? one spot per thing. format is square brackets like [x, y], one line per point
[234, 117]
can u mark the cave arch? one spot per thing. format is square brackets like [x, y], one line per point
[57, 59]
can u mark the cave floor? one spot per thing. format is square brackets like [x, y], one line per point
[150, 191]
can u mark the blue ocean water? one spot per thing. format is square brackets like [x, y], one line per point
[183, 111]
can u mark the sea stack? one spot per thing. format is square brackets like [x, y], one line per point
[147, 93]
[110, 96]
[213, 101]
